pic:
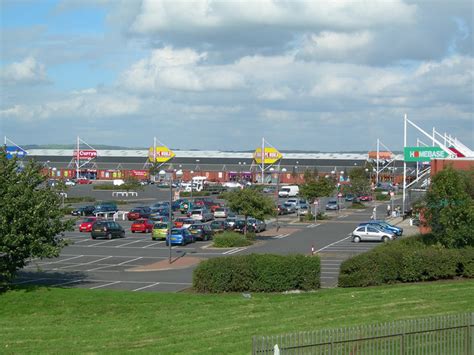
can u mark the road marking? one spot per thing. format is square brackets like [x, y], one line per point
[80, 241]
[68, 282]
[129, 261]
[327, 246]
[313, 225]
[96, 244]
[149, 245]
[343, 216]
[105, 285]
[142, 288]
[281, 236]
[60, 261]
[122, 245]
[233, 251]
[80, 264]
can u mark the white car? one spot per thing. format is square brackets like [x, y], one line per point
[221, 213]
[202, 215]
[371, 233]
[70, 183]
[118, 182]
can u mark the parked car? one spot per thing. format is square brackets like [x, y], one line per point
[139, 212]
[142, 226]
[288, 208]
[160, 231]
[202, 215]
[230, 222]
[84, 181]
[106, 208]
[84, 211]
[159, 218]
[371, 233]
[68, 182]
[239, 226]
[221, 212]
[86, 224]
[304, 210]
[365, 198]
[332, 205]
[349, 197]
[201, 231]
[180, 236]
[219, 226]
[398, 231]
[107, 229]
[257, 225]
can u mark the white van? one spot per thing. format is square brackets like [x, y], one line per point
[289, 191]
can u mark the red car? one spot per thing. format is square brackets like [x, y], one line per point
[86, 224]
[365, 198]
[142, 226]
[84, 181]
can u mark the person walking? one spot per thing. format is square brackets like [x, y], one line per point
[388, 210]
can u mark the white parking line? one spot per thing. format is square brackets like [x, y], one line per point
[105, 285]
[343, 216]
[149, 245]
[233, 251]
[129, 261]
[142, 288]
[67, 283]
[338, 241]
[80, 241]
[313, 225]
[80, 264]
[122, 245]
[281, 236]
[96, 244]
[60, 261]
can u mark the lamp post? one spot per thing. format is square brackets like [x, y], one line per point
[162, 175]
[277, 190]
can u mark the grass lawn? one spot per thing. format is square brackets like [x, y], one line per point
[55, 320]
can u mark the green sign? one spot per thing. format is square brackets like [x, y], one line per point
[424, 153]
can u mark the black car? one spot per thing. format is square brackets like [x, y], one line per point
[219, 226]
[239, 226]
[106, 207]
[83, 211]
[107, 229]
[201, 231]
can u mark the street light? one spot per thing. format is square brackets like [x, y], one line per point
[277, 190]
[162, 175]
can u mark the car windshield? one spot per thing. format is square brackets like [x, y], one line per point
[332, 202]
[176, 231]
[220, 209]
[195, 226]
[160, 226]
[196, 212]
[140, 221]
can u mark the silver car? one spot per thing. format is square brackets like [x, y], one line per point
[371, 233]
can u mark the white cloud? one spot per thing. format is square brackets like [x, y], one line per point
[28, 71]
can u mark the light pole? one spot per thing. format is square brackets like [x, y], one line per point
[277, 190]
[162, 174]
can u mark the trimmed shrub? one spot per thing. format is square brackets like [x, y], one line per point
[406, 260]
[195, 193]
[257, 273]
[382, 197]
[79, 199]
[232, 240]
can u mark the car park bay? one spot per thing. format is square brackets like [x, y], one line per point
[114, 264]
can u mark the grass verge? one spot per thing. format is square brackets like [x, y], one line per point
[55, 320]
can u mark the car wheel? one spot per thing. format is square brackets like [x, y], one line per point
[356, 239]
[109, 236]
[122, 235]
[133, 231]
[385, 239]
[93, 237]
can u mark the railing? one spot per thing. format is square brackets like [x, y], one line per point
[448, 334]
[124, 193]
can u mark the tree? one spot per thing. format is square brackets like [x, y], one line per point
[315, 186]
[250, 203]
[360, 182]
[450, 209]
[31, 218]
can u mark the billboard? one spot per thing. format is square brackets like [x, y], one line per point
[86, 154]
[270, 155]
[162, 154]
[139, 173]
[382, 155]
[13, 151]
[424, 153]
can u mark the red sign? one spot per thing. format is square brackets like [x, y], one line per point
[339, 194]
[86, 154]
[140, 173]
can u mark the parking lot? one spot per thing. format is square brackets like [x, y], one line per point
[137, 263]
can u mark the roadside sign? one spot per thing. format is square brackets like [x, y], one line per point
[339, 194]
[424, 153]
[13, 151]
[162, 154]
[270, 155]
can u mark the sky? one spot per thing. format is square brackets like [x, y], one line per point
[220, 75]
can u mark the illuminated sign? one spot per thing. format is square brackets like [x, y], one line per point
[161, 155]
[270, 155]
[86, 154]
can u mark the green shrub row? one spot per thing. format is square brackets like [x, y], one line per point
[195, 193]
[79, 199]
[232, 240]
[123, 187]
[408, 260]
[257, 273]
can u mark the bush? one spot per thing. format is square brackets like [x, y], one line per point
[357, 205]
[408, 260]
[257, 273]
[79, 199]
[382, 197]
[195, 193]
[231, 240]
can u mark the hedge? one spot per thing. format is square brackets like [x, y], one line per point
[195, 193]
[232, 240]
[407, 260]
[257, 273]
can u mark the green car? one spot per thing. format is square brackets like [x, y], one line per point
[160, 231]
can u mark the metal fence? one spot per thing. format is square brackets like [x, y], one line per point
[448, 334]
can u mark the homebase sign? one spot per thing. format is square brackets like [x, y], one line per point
[424, 153]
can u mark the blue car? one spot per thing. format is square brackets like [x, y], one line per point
[180, 236]
[385, 226]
